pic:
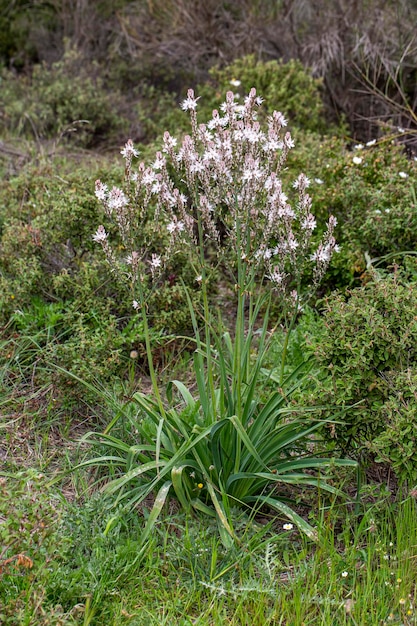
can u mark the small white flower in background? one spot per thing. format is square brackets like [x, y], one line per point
[100, 235]
[190, 103]
[359, 146]
[288, 526]
[159, 162]
[345, 574]
[235, 83]
[101, 190]
[371, 143]
[129, 151]
[117, 199]
[135, 305]
[357, 160]
[319, 181]
[401, 129]
[402, 174]
[175, 226]
[288, 141]
[155, 261]
[278, 118]
[302, 182]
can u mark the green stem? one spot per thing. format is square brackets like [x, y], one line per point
[152, 373]
[207, 318]
[286, 342]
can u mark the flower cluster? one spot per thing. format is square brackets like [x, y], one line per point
[222, 184]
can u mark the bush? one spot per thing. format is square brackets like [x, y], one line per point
[57, 297]
[67, 98]
[367, 347]
[286, 87]
[369, 189]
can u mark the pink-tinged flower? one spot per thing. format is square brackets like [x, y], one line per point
[101, 190]
[309, 222]
[278, 118]
[302, 182]
[288, 141]
[149, 177]
[190, 103]
[129, 151]
[276, 277]
[136, 305]
[272, 145]
[175, 227]
[159, 162]
[169, 142]
[117, 199]
[155, 261]
[100, 235]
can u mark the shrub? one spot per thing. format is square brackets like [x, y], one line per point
[370, 191]
[287, 87]
[367, 349]
[68, 98]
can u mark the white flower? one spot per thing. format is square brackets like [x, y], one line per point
[129, 151]
[100, 235]
[235, 83]
[101, 190]
[319, 181]
[345, 574]
[175, 226]
[117, 199]
[135, 305]
[155, 261]
[401, 130]
[359, 146]
[302, 182]
[357, 160]
[159, 162]
[190, 103]
[402, 175]
[289, 142]
[309, 223]
[371, 143]
[288, 526]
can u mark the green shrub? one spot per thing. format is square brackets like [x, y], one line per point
[367, 347]
[68, 98]
[286, 87]
[397, 443]
[374, 200]
[58, 298]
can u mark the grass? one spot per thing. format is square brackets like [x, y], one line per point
[88, 567]
[69, 557]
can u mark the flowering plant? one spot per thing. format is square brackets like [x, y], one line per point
[219, 195]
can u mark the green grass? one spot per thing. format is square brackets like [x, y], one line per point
[89, 566]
